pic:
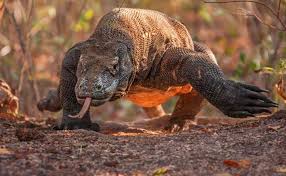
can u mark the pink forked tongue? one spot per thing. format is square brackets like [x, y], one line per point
[83, 110]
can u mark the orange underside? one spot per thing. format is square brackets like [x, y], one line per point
[146, 97]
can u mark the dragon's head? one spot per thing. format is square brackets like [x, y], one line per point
[103, 73]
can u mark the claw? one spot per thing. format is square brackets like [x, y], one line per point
[249, 101]
[259, 96]
[242, 114]
[253, 88]
[256, 110]
[256, 103]
[275, 105]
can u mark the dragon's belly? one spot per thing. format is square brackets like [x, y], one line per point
[147, 97]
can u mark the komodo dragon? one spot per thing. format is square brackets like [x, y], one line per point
[146, 57]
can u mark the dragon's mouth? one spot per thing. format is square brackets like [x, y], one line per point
[86, 104]
[94, 102]
[89, 101]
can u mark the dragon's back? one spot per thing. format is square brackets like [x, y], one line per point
[147, 33]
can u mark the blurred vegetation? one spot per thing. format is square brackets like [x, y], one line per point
[34, 36]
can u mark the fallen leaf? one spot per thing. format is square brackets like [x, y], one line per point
[231, 163]
[237, 164]
[275, 128]
[4, 151]
[9, 102]
[281, 169]
[8, 116]
[160, 171]
[244, 163]
[281, 89]
[223, 174]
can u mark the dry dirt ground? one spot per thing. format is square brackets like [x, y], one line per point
[249, 148]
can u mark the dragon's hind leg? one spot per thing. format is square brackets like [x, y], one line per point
[187, 107]
[156, 111]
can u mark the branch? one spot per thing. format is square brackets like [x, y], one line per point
[122, 3]
[241, 1]
[18, 30]
[276, 14]
[279, 7]
[23, 49]
[261, 21]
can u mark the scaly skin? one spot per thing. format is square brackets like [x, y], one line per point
[145, 54]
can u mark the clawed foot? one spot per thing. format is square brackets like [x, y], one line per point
[175, 125]
[73, 124]
[242, 100]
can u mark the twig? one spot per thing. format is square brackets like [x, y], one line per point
[267, 24]
[119, 8]
[247, 13]
[276, 48]
[30, 10]
[81, 8]
[21, 79]
[279, 7]
[276, 14]
[2, 9]
[241, 1]
[122, 4]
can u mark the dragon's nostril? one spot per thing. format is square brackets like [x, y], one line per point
[98, 87]
[82, 85]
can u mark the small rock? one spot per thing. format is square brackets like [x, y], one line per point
[111, 163]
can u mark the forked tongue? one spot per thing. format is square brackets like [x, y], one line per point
[83, 110]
